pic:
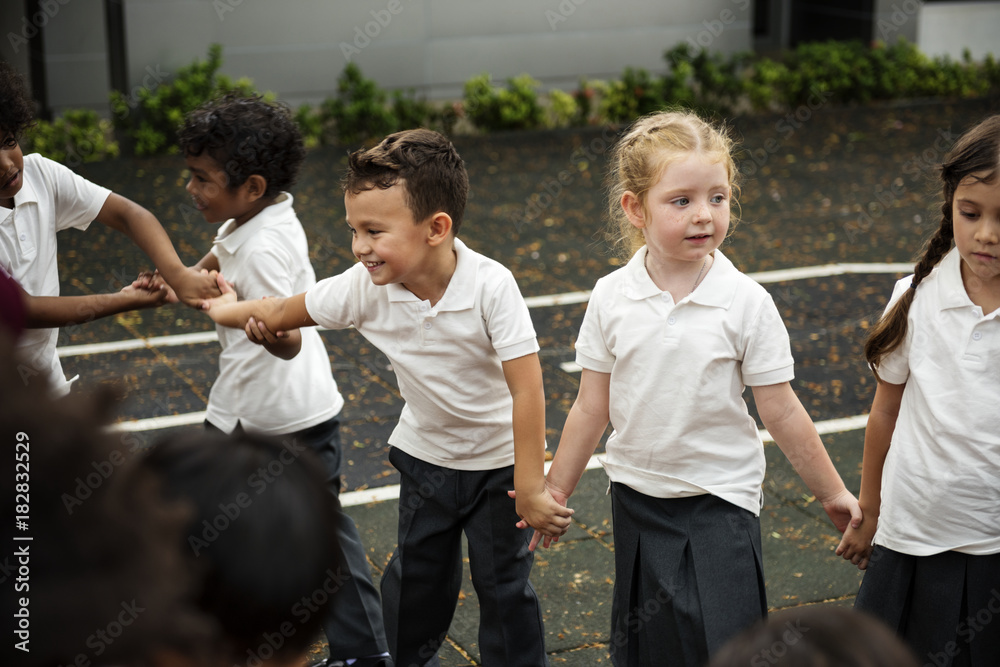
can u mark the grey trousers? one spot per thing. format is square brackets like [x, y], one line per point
[421, 583]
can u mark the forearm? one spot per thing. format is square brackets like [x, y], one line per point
[529, 442]
[278, 314]
[286, 348]
[146, 232]
[58, 311]
[580, 436]
[878, 435]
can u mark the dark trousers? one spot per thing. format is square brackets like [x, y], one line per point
[353, 624]
[422, 580]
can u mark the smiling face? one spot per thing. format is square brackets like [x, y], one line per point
[208, 187]
[386, 238]
[685, 215]
[976, 220]
[11, 169]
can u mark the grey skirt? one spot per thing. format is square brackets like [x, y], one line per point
[688, 577]
[945, 606]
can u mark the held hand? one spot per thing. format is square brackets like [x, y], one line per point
[559, 520]
[194, 287]
[228, 294]
[152, 280]
[856, 544]
[152, 297]
[258, 333]
[843, 509]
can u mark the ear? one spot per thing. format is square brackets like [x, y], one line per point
[634, 210]
[256, 186]
[438, 229]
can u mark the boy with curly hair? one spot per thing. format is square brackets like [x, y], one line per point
[244, 154]
[39, 197]
[459, 336]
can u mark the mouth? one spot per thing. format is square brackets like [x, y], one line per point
[984, 257]
[201, 206]
[10, 181]
[699, 237]
[371, 266]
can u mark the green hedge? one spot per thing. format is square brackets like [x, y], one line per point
[360, 112]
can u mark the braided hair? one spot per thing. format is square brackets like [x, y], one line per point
[976, 156]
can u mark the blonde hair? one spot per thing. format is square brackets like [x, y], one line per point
[649, 146]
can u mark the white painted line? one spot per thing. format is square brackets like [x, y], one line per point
[571, 367]
[544, 301]
[156, 423]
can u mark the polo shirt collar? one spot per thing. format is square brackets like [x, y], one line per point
[459, 294]
[715, 289]
[950, 288]
[230, 237]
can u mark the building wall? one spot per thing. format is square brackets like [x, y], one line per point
[947, 28]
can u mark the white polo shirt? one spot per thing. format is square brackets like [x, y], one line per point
[447, 357]
[52, 198]
[941, 479]
[268, 256]
[681, 426]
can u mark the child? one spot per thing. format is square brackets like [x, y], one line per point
[43, 197]
[263, 546]
[243, 154]
[930, 481]
[460, 339]
[667, 345]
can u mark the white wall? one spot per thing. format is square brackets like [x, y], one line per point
[298, 48]
[949, 27]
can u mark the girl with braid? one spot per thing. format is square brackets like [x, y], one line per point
[930, 485]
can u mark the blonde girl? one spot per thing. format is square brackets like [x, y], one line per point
[667, 345]
[930, 481]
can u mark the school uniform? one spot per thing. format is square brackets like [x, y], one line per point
[454, 449]
[934, 574]
[52, 198]
[685, 459]
[297, 398]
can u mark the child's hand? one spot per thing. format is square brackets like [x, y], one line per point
[151, 297]
[843, 509]
[856, 544]
[547, 514]
[152, 280]
[195, 287]
[227, 296]
[258, 333]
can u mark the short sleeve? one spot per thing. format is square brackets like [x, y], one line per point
[895, 366]
[592, 350]
[272, 275]
[77, 201]
[767, 356]
[330, 302]
[508, 321]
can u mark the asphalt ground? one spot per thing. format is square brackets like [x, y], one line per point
[822, 186]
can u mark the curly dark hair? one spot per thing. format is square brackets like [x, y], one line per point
[246, 136]
[17, 109]
[433, 173]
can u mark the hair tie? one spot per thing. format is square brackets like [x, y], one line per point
[913, 284]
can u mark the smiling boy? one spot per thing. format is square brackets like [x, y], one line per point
[458, 334]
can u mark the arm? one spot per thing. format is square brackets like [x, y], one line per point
[278, 314]
[57, 311]
[856, 545]
[146, 232]
[585, 424]
[534, 503]
[793, 431]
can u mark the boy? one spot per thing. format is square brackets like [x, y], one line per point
[243, 154]
[39, 197]
[460, 339]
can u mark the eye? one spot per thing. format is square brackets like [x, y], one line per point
[682, 201]
[10, 142]
[718, 199]
[971, 215]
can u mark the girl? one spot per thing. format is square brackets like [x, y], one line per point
[667, 345]
[930, 481]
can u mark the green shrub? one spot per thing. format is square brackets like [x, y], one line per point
[77, 136]
[584, 97]
[637, 93]
[410, 111]
[562, 108]
[513, 108]
[359, 111]
[150, 115]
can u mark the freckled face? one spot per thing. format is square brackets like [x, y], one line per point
[686, 213]
[11, 170]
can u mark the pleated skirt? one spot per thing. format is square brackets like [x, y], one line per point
[945, 606]
[688, 577]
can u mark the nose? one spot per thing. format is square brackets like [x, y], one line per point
[703, 213]
[359, 246]
[6, 162]
[189, 186]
